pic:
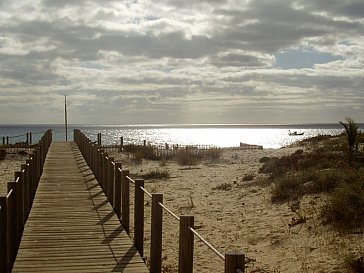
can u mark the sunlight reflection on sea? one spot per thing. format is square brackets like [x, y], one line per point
[269, 136]
[220, 137]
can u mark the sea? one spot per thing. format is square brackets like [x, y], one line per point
[219, 135]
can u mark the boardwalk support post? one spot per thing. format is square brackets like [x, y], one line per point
[110, 182]
[4, 234]
[186, 237]
[234, 261]
[139, 216]
[156, 234]
[117, 205]
[125, 201]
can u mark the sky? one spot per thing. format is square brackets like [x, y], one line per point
[174, 61]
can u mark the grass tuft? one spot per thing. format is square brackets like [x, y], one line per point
[157, 174]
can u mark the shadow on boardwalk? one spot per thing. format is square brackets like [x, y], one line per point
[72, 227]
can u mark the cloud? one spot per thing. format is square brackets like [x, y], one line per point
[182, 61]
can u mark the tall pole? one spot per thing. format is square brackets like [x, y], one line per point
[65, 115]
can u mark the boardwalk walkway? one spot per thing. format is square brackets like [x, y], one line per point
[72, 227]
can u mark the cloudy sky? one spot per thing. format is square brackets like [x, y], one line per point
[174, 61]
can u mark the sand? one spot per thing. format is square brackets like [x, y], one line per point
[12, 163]
[239, 217]
[242, 218]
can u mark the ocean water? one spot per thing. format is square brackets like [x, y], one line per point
[220, 135]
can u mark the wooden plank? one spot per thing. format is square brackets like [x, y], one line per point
[72, 227]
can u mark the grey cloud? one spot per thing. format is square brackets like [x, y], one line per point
[353, 9]
[238, 60]
[217, 59]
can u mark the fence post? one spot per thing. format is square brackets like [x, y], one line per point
[100, 167]
[118, 190]
[125, 201]
[156, 234]
[29, 163]
[234, 261]
[121, 144]
[4, 234]
[25, 169]
[139, 216]
[106, 174]
[99, 139]
[12, 224]
[110, 182]
[19, 177]
[186, 238]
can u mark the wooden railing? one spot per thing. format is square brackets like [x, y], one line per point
[115, 183]
[15, 207]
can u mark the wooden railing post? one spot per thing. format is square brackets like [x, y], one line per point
[101, 168]
[156, 234]
[19, 177]
[30, 182]
[125, 201]
[139, 216]
[4, 234]
[94, 162]
[25, 169]
[186, 239]
[118, 190]
[110, 182]
[234, 261]
[12, 224]
[105, 172]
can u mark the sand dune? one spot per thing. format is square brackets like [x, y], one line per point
[233, 214]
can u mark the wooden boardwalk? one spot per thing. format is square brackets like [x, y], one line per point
[72, 227]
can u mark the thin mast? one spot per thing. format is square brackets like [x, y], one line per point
[65, 115]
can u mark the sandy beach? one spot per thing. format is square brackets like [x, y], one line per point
[233, 214]
[237, 215]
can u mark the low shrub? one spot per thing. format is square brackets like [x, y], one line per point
[266, 159]
[157, 174]
[214, 153]
[345, 207]
[185, 158]
[223, 187]
[310, 182]
[139, 152]
[248, 177]
[300, 161]
[286, 188]
[2, 154]
[354, 264]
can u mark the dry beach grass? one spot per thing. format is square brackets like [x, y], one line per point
[231, 200]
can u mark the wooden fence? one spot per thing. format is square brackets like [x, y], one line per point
[19, 144]
[115, 182]
[15, 207]
[168, 150]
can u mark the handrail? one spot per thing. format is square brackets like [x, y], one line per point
[146, 192]
[115, 181]
[130, 179]
[207, 243]
[16, 205]
[169, 211]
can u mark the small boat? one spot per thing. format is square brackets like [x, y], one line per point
[295, 133]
